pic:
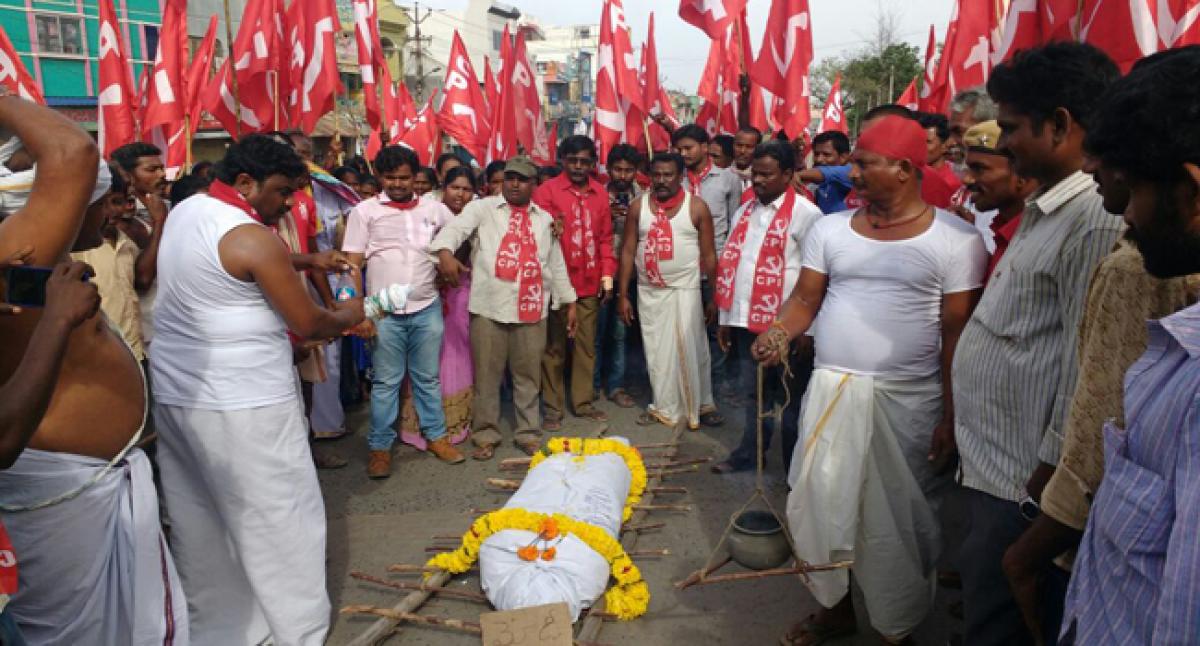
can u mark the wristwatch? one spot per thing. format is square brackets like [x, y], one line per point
[1029, 508]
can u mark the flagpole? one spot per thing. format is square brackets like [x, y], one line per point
[187, 132]
[275, 94]
[649, 144]
[233, 83]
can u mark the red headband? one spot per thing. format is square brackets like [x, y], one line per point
[895, 138]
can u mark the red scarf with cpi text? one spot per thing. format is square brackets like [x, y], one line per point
[221, 191]
[403, 206]
[766, 295]
[581, 244]
[517, 260]
[660, 241]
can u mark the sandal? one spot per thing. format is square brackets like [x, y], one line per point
[711, 419]
[621, 399]
[592, 413]
[647, 419]
[552, 424]
[483, 453]
[528, 446]
[329, 461]
[811, 633]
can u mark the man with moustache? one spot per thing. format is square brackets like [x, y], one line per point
[516, 266]
[79, 503]
[745, 140]
[248, 522]
[755, 273]
[994, 186]
[1136, 578]
[1122, 296]
[878, 416]
[669, 238]
[581, 205]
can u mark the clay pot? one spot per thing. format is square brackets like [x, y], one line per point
[757, 541]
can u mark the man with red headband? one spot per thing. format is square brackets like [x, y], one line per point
[669, 236]
[893, 282]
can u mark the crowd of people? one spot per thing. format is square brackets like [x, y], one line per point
[982, 327]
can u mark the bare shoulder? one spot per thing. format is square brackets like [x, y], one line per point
[247, 248]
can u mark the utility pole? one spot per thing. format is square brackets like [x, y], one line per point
[419, 44]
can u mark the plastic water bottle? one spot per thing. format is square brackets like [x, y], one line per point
[345, 288]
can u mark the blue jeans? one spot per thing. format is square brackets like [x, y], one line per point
[744, 456]
[407, 343]
[611, 332]
[10, 634]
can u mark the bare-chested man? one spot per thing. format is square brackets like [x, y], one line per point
[79, 503]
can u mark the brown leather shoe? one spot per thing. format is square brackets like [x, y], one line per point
[445, 451]
[379, 465]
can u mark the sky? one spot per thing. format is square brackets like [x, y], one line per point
[839, 26]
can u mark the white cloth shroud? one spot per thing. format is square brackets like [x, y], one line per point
[94, 569]
[591, 489]
[855, 496]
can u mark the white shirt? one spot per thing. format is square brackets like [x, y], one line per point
[882, 313]
[219, 344]
[804, 215]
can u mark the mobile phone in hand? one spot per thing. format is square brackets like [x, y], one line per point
[27, 286]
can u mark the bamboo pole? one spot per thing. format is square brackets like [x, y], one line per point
[402, 615]
[662, 507]
[420, 587]
[641, 527]
[384, 626]
[233, 83]
[648, 553]
[696, 579]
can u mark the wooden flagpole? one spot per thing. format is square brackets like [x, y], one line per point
[233, 84]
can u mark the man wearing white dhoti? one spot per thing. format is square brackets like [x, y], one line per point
[248, 522]
[669, 237]
[887, 290]
[78, 503]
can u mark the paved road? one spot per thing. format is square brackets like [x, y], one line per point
[376, 523]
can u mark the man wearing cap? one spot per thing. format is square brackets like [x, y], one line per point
[994, 186]
[517, 266]
[885, 291]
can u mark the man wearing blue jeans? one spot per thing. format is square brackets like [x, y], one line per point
[611, 331]
[392, 233]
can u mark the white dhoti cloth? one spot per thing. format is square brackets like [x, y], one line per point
[677, 359]
[248, 523]
[860, 480]
[328, 417]
[94, 569]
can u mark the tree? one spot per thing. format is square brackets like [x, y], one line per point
[874, 75]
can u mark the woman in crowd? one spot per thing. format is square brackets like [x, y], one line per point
[457, 372]
[425, 181]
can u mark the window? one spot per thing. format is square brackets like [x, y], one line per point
[150, 38]
[59, 34]
[542, 66]
[583, 33]
[497, 40]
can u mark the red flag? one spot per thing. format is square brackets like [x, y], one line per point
[370, 56]
[321, 80]
[783, 63]
[707, 118]
[763, 106]
[115, 99]
[250, 58]
[1133, 29]
[166, 92]
[197, 73]
[13, 74]
[648, 71]
[391, 119]
[931, 92]
[712, 16]
[422, 134]
[503, 142]
[833, 117]
[527, 106]
[463, 113]
[908, 98]
[617, 87]
[966, 56]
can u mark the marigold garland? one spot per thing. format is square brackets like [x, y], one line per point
[628, 599]
[581, 447]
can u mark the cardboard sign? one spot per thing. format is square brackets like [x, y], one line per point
[548, 625]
